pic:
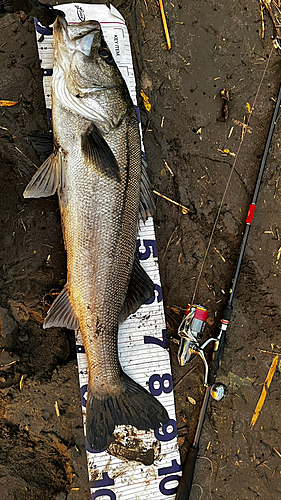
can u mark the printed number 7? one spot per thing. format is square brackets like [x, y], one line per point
[153, 340]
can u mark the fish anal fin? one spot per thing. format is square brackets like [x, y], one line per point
[97, 152]
[140, 289]
[45, 181]
[61, 313]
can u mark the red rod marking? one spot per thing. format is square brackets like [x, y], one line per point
[250, 214]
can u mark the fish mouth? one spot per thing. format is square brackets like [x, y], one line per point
[74, 31]
[73, 37]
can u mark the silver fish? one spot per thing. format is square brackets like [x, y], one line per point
[96, 168]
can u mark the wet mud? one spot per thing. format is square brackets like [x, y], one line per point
[191, 135]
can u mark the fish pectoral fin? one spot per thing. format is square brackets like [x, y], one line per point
[97, 152]
[147, 205]
[140, 289]
[45, 181]
[61, 313]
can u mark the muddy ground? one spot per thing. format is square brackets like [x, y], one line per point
[215, 46]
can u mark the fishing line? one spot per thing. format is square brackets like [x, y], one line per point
[210, 478]
[230, 175]
[201, 490]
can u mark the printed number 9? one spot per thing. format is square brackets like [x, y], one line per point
[167, 432]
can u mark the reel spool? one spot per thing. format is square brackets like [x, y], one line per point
[191, 332]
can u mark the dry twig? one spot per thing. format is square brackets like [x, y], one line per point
[185, 375]
[184, 209]
[168, 244]
[262, 19]
[166, 31]
[264, 391]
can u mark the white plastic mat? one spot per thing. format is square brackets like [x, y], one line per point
[142, 337]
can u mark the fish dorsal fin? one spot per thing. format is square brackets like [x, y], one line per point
[147, 205]
[45, 181]
[140, 289]
[61, 313]
[97, 152]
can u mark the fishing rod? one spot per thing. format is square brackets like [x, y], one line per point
[193, 324]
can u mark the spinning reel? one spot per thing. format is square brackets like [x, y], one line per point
[191, 332]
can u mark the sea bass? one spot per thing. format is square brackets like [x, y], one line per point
[96, 169]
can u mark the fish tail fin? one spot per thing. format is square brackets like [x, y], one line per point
[132, 405]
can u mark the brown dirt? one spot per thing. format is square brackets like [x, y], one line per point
[215, 46]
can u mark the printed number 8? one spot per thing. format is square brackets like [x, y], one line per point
[156, 391]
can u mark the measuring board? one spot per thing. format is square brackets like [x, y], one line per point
[142, 340]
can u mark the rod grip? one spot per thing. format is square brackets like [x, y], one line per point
[227, 312]
[218, 354]
[187, 474]
[215, 361]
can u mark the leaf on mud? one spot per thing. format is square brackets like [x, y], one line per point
[191, 400]
[8, 103]
[226, 152]
[146, 102]
[248, 107]
[264, 391]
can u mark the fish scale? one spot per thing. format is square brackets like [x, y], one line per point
[91, 194]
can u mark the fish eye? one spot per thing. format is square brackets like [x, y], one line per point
[105, 54]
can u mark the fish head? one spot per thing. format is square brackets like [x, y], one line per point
[87, 63]
[70, 38]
